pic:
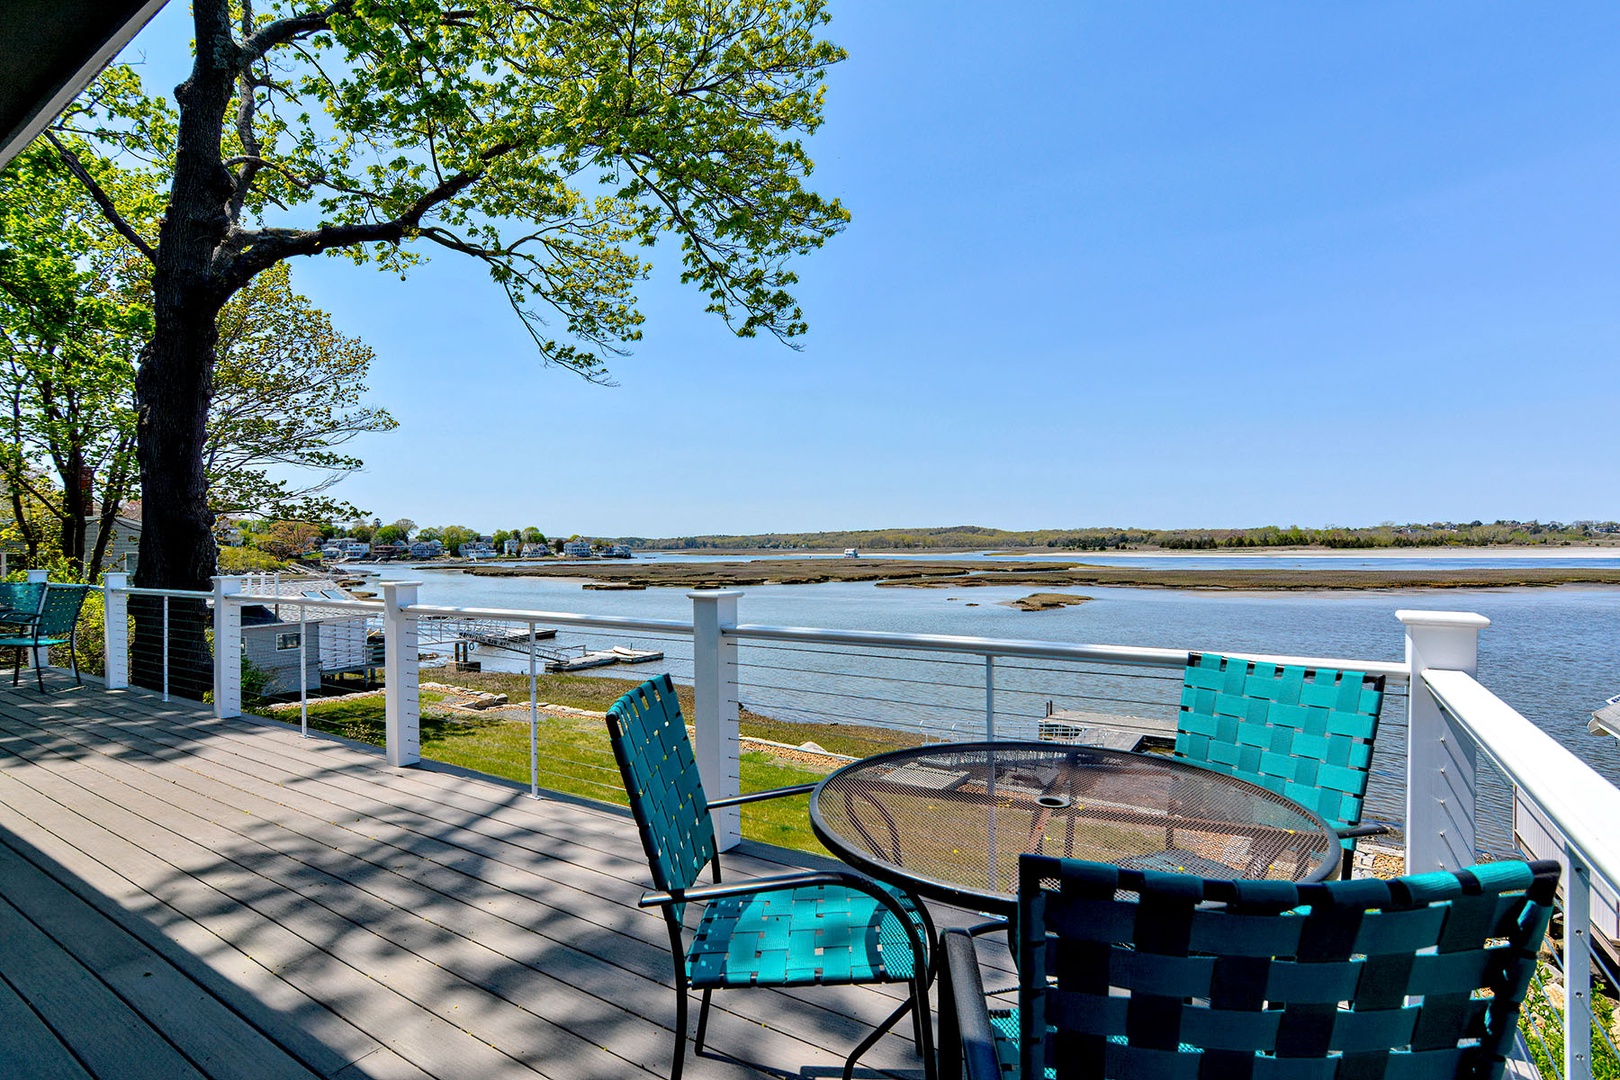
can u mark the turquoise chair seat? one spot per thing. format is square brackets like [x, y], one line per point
[816, 936]
[1132, 975]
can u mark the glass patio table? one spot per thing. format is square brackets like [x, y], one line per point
[950, 820]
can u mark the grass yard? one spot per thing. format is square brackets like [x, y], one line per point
[575, 756]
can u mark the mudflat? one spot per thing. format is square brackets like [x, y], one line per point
[944, 573]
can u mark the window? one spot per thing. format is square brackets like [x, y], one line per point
[287, 641]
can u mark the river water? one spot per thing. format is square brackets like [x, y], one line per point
[1551, 653]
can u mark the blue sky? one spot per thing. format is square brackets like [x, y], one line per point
[1161, 266]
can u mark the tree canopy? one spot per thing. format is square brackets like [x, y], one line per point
[288, 392]
[75, 314]
[551, 143]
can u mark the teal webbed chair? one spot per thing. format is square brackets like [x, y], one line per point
[817, 928]
[1147, 975]
[1305, 733]
[53, 624]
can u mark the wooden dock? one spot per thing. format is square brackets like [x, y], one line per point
[186, 897]
[1108, 730]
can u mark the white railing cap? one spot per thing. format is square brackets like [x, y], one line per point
[1458, 619]
[712, 594]
[1576, 799]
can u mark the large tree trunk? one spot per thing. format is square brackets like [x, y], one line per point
[175, 382]
[177, 536]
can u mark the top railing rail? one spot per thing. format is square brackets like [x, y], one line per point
[1584, 806]
[372, 607]
[1141, 656]
[561, 618]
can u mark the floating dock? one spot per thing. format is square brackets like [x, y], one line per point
[618, 654]
[1107, 730]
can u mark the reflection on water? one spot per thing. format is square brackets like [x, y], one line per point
[1550, 652]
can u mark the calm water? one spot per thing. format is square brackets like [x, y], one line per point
[1551, 653]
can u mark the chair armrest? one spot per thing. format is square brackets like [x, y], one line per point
[967, 1045]
[761, 796]
[701, 893]
[18, 618]
[1362, 830]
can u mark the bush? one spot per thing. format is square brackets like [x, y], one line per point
[245, 560]
[1541, 1022]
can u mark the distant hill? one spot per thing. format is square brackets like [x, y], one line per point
[978, 538]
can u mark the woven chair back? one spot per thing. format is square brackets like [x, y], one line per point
[1305, 733]
[23, 596]
[1144, 974]
[660, 775]
[60, 611]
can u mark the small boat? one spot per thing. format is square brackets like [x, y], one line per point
[628, 655]
[851, 553]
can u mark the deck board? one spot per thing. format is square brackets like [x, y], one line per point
[358, 920]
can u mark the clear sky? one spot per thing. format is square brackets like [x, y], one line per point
[1109, 264]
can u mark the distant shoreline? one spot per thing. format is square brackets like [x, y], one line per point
[1044, 575]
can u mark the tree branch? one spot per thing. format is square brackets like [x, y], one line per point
[282, 31]
[101, 198]
[263, 248]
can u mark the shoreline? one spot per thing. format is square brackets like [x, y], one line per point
[1046, 575]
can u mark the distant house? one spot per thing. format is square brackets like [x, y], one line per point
[477, 549]
[272, 646]
[617, 551]
[511, 546]
[426, 549]
[534, 551]
[123, 543]
[577, 549]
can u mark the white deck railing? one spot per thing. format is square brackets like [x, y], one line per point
[1452, 719]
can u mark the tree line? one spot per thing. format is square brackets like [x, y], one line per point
[960, 538]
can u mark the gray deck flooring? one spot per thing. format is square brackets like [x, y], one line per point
[181, 896]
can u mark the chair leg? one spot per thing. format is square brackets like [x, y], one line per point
[73, 653]
[680, 1031]
[703, 1022]
[1348, 864]
[925, 1027]
[917, 1017]
[911, 1003]
[16, 672]
[39, 670]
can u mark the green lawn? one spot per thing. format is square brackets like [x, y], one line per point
[575, 756]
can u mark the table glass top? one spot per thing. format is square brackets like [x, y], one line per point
[959, 816]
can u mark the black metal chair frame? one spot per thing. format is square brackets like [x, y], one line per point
[672, 900]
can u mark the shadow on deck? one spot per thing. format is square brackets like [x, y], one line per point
[181, 896]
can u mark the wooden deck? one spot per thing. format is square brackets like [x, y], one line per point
[184, 897]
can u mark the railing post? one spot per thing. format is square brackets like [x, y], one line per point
[714, 685]
[1440, 758]
[38, 577]
[115, 630]
[402, 694]
[227, 648]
